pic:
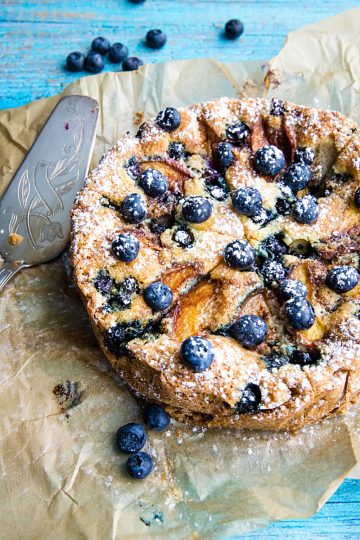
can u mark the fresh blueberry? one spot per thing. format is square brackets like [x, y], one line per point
[306, 210]
[273, 272]
[247, 201]
[215, 185]
[103, 282]
[118, 53]
[250, 399]
[75, 61]
[139, 465]
[239, 254]
[297, 176]
[273, 247]
[275, 361]
[283, 207]
[292, 288]
[153, 182]
[156, 417]
[196, 209]
[184, 238]
[177, 150]
[238, 133]
[100, 45]
[357, 198]
[133, 208]
[233, 29]
[277, 107]
[94, 62]
[168, 119]
[155, 39]
[304, 155]
[342, 279]
[158, 296]
[132, 63]
[223, 155]
[125, 247]
[249, 330]
[131, 438]
[197, 352]
[300, 313]
[269, 160]
[301, 358]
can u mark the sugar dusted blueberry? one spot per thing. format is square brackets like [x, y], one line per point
[223, 155]
[155, 39]
[133, 208]
[131, 438]
[156, 417]
[238, 133]
[302, 358]
[125, 247]
[249, 330]
[184, 237]
[239, 254]
[196, 209]
[250, 399]
[342, 279]
[177, 150]
[304, 155]
[273, 272]
[269, 160]
[215, 185]
[275, 361]
[153, 182]
[247, 201]
[168, 119]
[306, 210]
[139, 465]
[277, 107]
[273, 247]
[297, 176]
[292, 288]
[103, 282]
[158, 296]
[300, 313]
[197, 352]
[233, 29]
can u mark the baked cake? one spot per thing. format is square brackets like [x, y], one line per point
[217, 254]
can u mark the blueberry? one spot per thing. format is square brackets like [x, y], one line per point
[275, 361]
[250, 399]
[297, 176]
[196, 209]
[247, 201]
[100, 45]
[277, 107]
[357, 198]
[177, 150]
[300, 313]
[239, 254]
[269, 160]
[156, 417]
[238, 133]
[159, 225]
[249, 330]
[158, 296]
[125, 247]
[155, 39]
[273, 272]
[103, 282]
[118, 53]
[183, 237]
[130, 285]
[216, 185]
[139, 465]
[153, 182]
[131, 438]
[302, 358]
[132, 63]
[133, 208]
[342, 279]
[292, 288]
[233, 29]
[168, 119]
[137, 1]
[304, 155]
[94, 62]
[197, 352]
[273, 247]
[263, 217]
[223, 155]
[75, 61]
[306, 210]
[117, 336]
[283, 207]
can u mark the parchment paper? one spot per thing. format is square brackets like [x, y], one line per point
[61, 477]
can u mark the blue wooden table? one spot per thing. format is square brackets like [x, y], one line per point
[37, 35]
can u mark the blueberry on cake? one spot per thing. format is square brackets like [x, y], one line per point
[217, 254]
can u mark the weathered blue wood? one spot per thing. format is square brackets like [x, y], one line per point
[36, 36]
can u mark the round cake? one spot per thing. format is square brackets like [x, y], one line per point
[217, 255]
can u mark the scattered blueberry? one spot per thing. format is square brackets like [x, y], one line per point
[139, 465]
[297, 176]
[304, 155]
[342, 279]
[183, 237]
[269, 160]
[250, 399]
[168, 119]
[155, 39]
[273, 247]
[75, 61]
[238, 133]
[156, 417]
[132, 63]
[94, 62]
[300, 313]
[125, 247]
[118, 53]
[275, 361]
[247, 201]
[302, 358]
[306, 210]
[233, 29]
[177, 150]
[197, 352]
[273, 272]
[153, 182]
[277, 107]
[158, 296]
[223, 155]
[133, 208]
[103, 282]
[100, 45]
[357, 198]
[131, 438]
[249, 330]
[239, 254]
[292, 288]
[196, 209]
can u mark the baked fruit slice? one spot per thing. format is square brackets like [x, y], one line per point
[217, 254]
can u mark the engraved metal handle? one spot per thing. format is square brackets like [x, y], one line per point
[7, 271]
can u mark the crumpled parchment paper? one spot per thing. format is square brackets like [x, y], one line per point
[60, 404]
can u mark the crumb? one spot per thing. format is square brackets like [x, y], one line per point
[138, 118]
[15, 239]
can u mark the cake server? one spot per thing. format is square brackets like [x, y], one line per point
[35, 209]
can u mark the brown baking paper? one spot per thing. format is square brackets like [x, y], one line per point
[61, 477]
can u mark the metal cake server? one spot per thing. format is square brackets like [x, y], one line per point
[35, 209]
